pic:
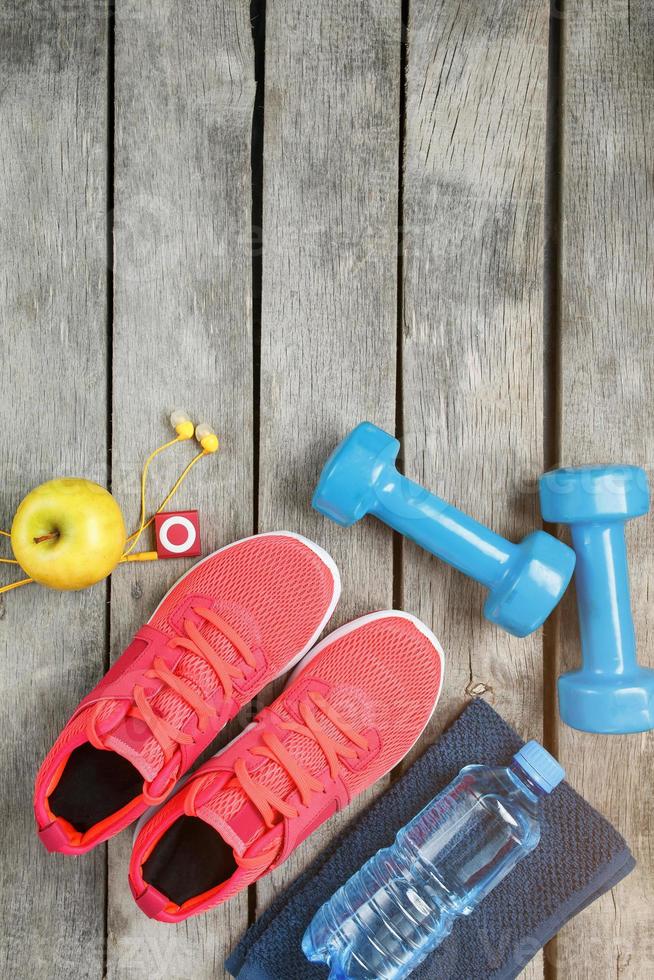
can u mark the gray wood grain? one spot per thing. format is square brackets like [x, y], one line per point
[182, 338]
[472, 324]
[607, 379]
[329, 283]
[53, 378]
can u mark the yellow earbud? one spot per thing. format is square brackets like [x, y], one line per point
[207, 438]
[182, 424]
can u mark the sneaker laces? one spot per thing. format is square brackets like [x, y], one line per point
[270, 804]
[165, 733]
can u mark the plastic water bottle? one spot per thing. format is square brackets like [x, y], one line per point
[386, 919]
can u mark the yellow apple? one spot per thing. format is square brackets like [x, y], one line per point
[68, 533]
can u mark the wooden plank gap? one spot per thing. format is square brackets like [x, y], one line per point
[109, 231]
[109, 285]
[398, 540]
[258, 26]
[552, 366]
[398, 586]
[552, 338]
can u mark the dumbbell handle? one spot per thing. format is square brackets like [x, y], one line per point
[608, 639]
[440, 528]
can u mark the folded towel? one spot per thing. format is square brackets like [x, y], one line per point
[580, 856]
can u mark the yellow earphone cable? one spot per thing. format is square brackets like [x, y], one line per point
[144, 474]
[169, 496]
[144, 526]
[184, 427]
[11, 561]
[15, 585]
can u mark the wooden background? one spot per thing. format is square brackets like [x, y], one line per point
[288, 217]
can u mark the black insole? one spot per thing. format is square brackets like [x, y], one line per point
[190, 858]
[94, 785]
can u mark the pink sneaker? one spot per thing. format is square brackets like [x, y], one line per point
[234, 622]
[352, 709]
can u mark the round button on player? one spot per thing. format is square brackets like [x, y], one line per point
[178, 534]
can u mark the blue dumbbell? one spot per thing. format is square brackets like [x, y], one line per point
[525, 580]
[611, 693]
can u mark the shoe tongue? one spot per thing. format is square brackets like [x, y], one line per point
[236, 819]
[132, 739]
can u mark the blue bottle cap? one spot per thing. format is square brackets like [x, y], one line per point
[540, 766]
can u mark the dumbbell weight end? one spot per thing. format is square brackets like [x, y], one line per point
[610, 693]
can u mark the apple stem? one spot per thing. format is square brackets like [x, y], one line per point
[47, 537]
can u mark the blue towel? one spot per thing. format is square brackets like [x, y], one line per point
[580, 856]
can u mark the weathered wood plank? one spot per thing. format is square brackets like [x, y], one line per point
[53, 377]
[607, 379]
[182, 337]
[329, 282]
[472, 327]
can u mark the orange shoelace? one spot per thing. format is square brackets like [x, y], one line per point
[162, 730]
[270, 804]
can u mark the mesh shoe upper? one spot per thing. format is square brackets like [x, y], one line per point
[235, 621]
